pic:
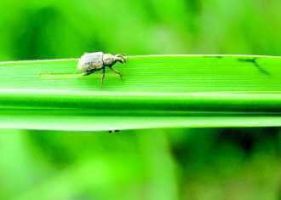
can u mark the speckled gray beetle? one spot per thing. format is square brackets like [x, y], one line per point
[96, 61]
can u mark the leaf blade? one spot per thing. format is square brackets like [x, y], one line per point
[165, 84]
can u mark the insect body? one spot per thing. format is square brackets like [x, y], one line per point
[96, 61]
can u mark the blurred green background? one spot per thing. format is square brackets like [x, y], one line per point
[145, 164]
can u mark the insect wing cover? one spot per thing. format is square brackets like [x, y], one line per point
[90, 60]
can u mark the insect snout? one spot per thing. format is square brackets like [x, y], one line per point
[120, 58]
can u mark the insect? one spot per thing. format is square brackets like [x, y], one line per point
[98, 61]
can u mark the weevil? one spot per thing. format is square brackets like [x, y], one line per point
[98, 61]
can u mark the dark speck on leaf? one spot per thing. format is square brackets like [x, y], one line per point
[255, 63]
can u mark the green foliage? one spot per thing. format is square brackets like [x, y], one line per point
[157, 91]
[152, 164]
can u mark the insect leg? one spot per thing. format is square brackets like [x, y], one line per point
[103, 76]
[116, 72]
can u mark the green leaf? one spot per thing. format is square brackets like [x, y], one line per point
[157, 91]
